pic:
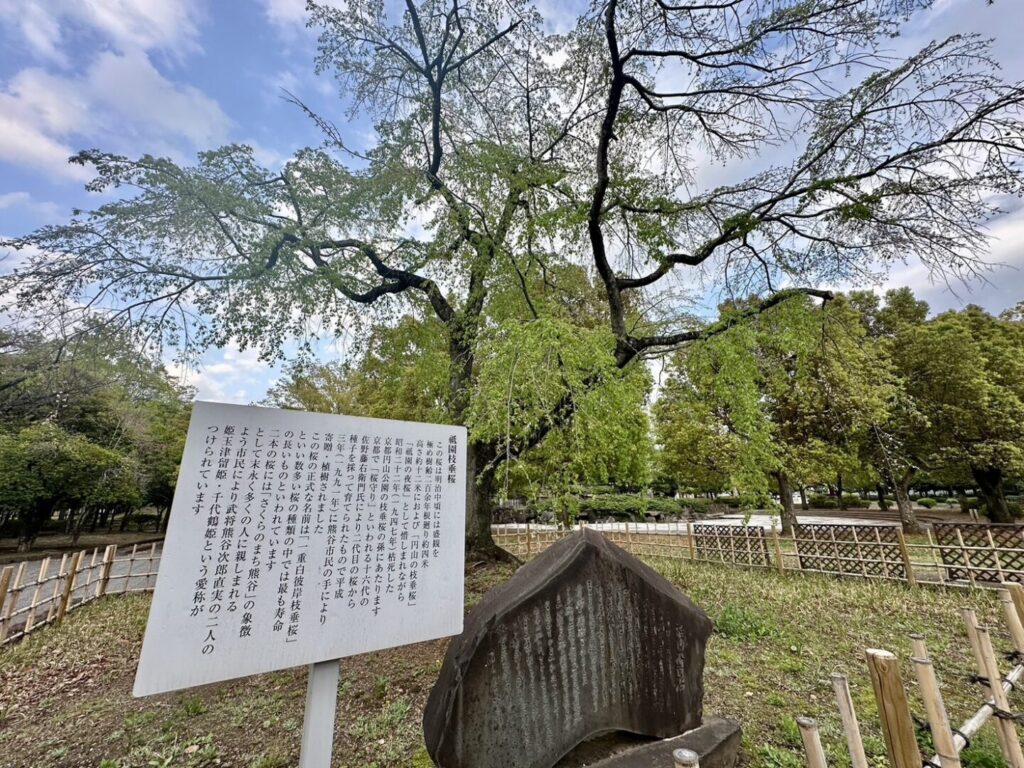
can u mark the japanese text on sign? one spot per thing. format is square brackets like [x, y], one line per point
[299, 537]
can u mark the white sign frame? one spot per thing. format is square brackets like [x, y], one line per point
[172, 658]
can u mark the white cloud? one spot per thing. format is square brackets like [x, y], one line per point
[228, 375]
[24, 200]
[47, 25]
[121, 102]
[287, 14]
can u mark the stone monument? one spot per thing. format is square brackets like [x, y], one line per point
[582, 641]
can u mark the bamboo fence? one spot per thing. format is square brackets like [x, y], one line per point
[967, 557]
[61, 586]
[898, 723]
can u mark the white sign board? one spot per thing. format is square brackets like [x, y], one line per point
[301, 537]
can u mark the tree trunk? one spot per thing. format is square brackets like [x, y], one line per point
[906, 508]
[124, 520]
[990, 484]
[786, 496]
[839, 491]
[880, 489]
[480, 505]
[84, 517]
[803, 499]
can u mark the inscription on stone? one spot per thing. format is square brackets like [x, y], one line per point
[583, 640]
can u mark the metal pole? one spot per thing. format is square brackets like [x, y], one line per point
[318, 722]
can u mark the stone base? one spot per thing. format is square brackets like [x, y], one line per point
[717, 742]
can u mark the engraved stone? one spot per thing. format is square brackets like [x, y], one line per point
[583, 640]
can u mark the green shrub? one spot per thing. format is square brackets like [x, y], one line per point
[828, 504]
[969, 502]
[854, 501]
[884, 504]
[926, 502]
[696, 506]
[627, 506]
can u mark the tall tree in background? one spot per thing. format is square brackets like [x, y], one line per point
[520, 150]
[793, 392]
[966, 373]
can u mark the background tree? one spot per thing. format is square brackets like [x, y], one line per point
[975, 414]
[521, 150]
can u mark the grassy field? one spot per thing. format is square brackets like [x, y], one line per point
[65, 692]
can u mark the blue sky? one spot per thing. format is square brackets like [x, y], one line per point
[173, 77]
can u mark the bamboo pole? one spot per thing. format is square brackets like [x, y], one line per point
[971, 623]
[897, 723]
[966, 559]
[52, 611]
[936, 558]
[1017, 593]
[92, 567]
[1013, 623]
[5, 582]
[30, 620]
[934, 707]
[908, 567]
[692, 543]
[858, 759]
[108, 562]
[131, 567]
[995, 554]
[860, 552]
[1011, 744]
[528, 540]
[69, 587]
[778, 550]
[149, 563]
[974, 723]
[12, 602]
[812, 742]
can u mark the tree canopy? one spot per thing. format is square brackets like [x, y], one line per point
[503, 154]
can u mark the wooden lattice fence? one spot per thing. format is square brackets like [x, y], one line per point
[981, 551]
[734, 544]
[871, 551]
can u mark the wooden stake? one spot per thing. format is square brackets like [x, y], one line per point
[897, 724]
[908, 567]
[1011, 744]
[30, 620]
[935, 708]
[812, 742]
[689, 538]
[850, 725]
[529, 542]
[69, 587]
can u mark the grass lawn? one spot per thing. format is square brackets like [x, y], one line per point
[65, 693]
